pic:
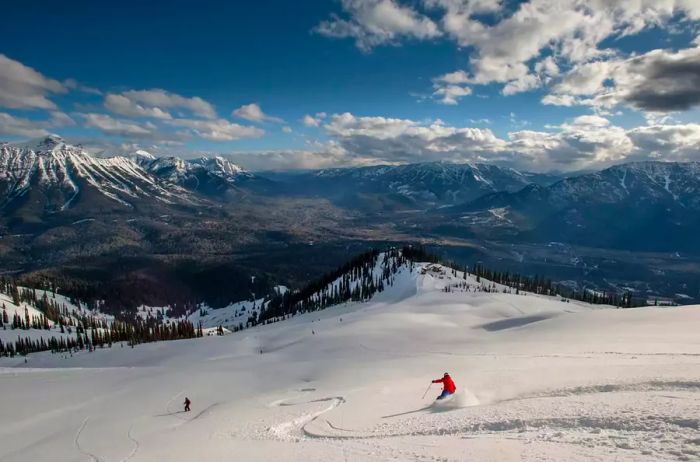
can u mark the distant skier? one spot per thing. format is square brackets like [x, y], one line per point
[448, 386]
[187, 404]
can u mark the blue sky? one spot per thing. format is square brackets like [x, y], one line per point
[539, 85]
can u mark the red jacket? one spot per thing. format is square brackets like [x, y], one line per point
[447, 383]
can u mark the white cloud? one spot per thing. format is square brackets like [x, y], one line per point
[402, 140]
[120, 104]
[22, 87]
[450, 94]
[311, 121]
[18, 126]
[325, 155]
[111, 126]
[287, 129]
[657, 81]
[451, 87]
[525, 83]
[453, 78]
[60, 119]
[254, 113]
[218, 129]
[522, 49]
[559, 100]
[675, 142]
[588, 141]
[376, 22]
[73, 84]
[162, 99]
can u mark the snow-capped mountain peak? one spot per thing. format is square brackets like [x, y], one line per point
[44, 144]
[219, 165]
[54, 175]
[140, 155]
[208, 175]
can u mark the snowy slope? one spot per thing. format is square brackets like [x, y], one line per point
[538, 379]
[72, 313]
[230, 316]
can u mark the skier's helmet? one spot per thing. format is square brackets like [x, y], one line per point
[446, 374]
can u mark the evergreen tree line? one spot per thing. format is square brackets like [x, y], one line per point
[357, 280]
[90, 331]
[119, 331]
[51, 310]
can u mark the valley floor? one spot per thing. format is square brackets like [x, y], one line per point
[538, 379]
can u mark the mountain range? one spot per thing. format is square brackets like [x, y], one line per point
[409, 187]
[47, 176]
[637, 206]
[206, 218]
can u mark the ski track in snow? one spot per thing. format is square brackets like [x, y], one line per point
[135, 449]
[653, 434]
[200, 413]
[168, 411]
[295, 429]
[76, 442]
[655, 385]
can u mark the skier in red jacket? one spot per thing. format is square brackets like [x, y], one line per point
[448, 386]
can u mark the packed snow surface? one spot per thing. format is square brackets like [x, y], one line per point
[537, 378]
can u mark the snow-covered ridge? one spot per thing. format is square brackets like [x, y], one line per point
[434, 171]
[436, 183]
[388, 278]
[62, 171]
[203, 173]
[656, 181]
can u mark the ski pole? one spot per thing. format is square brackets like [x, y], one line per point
[426, 390]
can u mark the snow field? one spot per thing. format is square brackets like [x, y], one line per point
[538, 379]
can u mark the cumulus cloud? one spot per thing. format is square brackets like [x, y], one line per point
[60, 119]
[111, 126]
[673, 142]
[527, 47]
[588, 141]
[218, 129]
[323, 156]
[19, 126]
[666, 81]
[22, 87]
[403, 140]
[376, 22]
[313, 121]
[254, 113]
[154, 103]
[120, 104]
[451, 87]
[657, 81]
